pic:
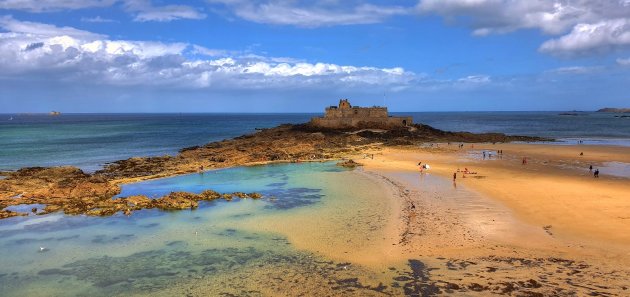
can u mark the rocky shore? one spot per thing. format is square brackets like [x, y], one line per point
[75, 192]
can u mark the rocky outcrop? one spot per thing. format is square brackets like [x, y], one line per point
[74, 192]
[349, 164]
[107, 207]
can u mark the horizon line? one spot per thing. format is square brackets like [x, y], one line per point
[263, 112]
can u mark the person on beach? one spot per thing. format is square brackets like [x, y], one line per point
[524, 160]
[484, 155]
[581, 153]
[201, 168]
[596, 173]
[454, 176]
[590, 168]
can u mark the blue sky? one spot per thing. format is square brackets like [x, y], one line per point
[298, 56]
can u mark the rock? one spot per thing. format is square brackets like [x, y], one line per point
[51, 208]
[254, 195]
[240, 195]
[176, 201]
[136, 202]
[8, 214]
[349, 164]
[209, 195]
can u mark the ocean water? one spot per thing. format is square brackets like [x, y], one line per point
[242, 247]
[91, 140]
[591, 127]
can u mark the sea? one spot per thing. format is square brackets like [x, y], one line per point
[304, 237]
[91, 140]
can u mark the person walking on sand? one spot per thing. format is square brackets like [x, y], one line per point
[524, 160]
[590, 168]
[454, 176]
[596, 173]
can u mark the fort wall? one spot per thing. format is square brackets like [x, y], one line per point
[347, 116]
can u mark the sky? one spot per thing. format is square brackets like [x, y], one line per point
[299, 56]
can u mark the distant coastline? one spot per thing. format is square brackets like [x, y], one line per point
[611, 109]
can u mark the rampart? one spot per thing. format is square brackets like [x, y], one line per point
[347, 116]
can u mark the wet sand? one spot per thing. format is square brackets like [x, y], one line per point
[548, 221]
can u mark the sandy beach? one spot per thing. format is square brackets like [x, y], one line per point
[560, 225]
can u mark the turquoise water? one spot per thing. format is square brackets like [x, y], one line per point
[217, 248]
[269, 180]
[91, 140]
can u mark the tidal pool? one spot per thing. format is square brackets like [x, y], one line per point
[306, 236]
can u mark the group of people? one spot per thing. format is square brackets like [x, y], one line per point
[489, 154]
[595, 173]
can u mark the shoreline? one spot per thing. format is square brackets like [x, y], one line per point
[581, 206]
[441, 225]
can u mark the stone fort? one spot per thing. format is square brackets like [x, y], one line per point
[347, 116]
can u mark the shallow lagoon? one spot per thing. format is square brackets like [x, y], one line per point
[276, 245]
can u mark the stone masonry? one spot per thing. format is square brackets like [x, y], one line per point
[347, 116]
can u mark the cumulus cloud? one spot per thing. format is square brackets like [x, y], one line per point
[586, 38]
[591, 25]
[72, 55]
[310, 14]
[501, 16]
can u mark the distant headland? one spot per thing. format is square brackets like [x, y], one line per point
[610, 109]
